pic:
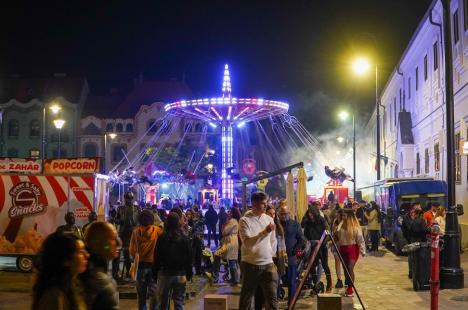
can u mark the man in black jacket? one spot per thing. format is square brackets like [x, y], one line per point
[211, 219]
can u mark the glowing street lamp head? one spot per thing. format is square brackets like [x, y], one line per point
[112, 135]
[361, 66]
[340, 139]
[343, 115]
[55, 108]
[58, 123]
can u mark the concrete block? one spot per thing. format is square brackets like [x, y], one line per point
[329, 302]
[216, 302]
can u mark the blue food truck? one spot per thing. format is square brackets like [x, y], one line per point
[396, 196]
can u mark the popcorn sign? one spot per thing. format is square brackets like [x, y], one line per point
[71, 166]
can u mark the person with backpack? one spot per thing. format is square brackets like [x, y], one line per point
[373, 226]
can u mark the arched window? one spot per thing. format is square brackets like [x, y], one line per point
[119, 127]
[90, 150]
[109, 127]
[12, 152]
[13, 128]
[118, 151]
[34, 128]
[129, 127]
[198, 127]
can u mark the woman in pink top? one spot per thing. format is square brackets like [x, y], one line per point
[351, 242]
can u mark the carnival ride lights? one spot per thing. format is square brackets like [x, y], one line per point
[227, 111]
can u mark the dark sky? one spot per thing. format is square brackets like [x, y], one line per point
[297, 51]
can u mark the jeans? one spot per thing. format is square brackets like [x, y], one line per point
[143, 284]
[197, 245]
[166, 284]
[212, 233]
[292, 275]
[233, 269]
[263, 276]
[374, 236]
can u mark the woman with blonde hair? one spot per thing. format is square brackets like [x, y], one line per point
[351, 242]
[440, 219]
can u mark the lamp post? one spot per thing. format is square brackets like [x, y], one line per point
[112, 136]
[55, 108]
[343, 115]
[361, 66]
[58, 123]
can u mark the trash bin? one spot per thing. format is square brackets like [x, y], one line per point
[420, 256]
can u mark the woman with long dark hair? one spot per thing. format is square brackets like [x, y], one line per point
[314, 225]
[173, 264]
[61, 259]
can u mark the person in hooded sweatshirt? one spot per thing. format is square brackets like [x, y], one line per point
[143, 242]
[257, 232]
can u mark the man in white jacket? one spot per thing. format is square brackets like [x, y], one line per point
[257, 233]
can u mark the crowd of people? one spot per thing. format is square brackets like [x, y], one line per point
[263, 251]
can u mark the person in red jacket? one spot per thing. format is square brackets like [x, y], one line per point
[429, 215]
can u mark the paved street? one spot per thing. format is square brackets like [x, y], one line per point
[381, 281]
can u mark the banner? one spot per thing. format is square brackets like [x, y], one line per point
[20, 165]
[71, 166]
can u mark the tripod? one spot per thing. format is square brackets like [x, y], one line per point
[310, 263]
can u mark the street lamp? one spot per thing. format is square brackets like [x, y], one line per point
[340, 139]
[55, 109]
[344, 115]
[58, 123]
[361, 66]
[112, 136]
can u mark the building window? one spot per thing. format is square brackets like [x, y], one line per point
[390, 116]
[425, 68]
[416, 78]
[90, 150]
[12, 152]
[456, 34]
[109, 127]
[394, 112]
[13, 128]
[409, 88]
[418, 163]
[151, 127]
[63, 153]
[129, 128]
[34, 128]
[119, 127]
[436, 56]
[457, 159]
[436, 157]
[118, 151]
[426, 161]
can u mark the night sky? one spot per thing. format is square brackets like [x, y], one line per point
[297, 51]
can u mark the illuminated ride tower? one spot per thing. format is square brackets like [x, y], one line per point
[226, 112]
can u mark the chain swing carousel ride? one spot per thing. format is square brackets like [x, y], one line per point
[251, 134]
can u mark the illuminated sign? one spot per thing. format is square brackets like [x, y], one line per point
[20, 166]
[71, 166]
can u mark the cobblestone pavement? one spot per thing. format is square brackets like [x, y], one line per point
[381, 281]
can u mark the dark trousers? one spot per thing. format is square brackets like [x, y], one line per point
[212, 233]
[374, 236]
[263, 276]
[197, 245]
[292, 283]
